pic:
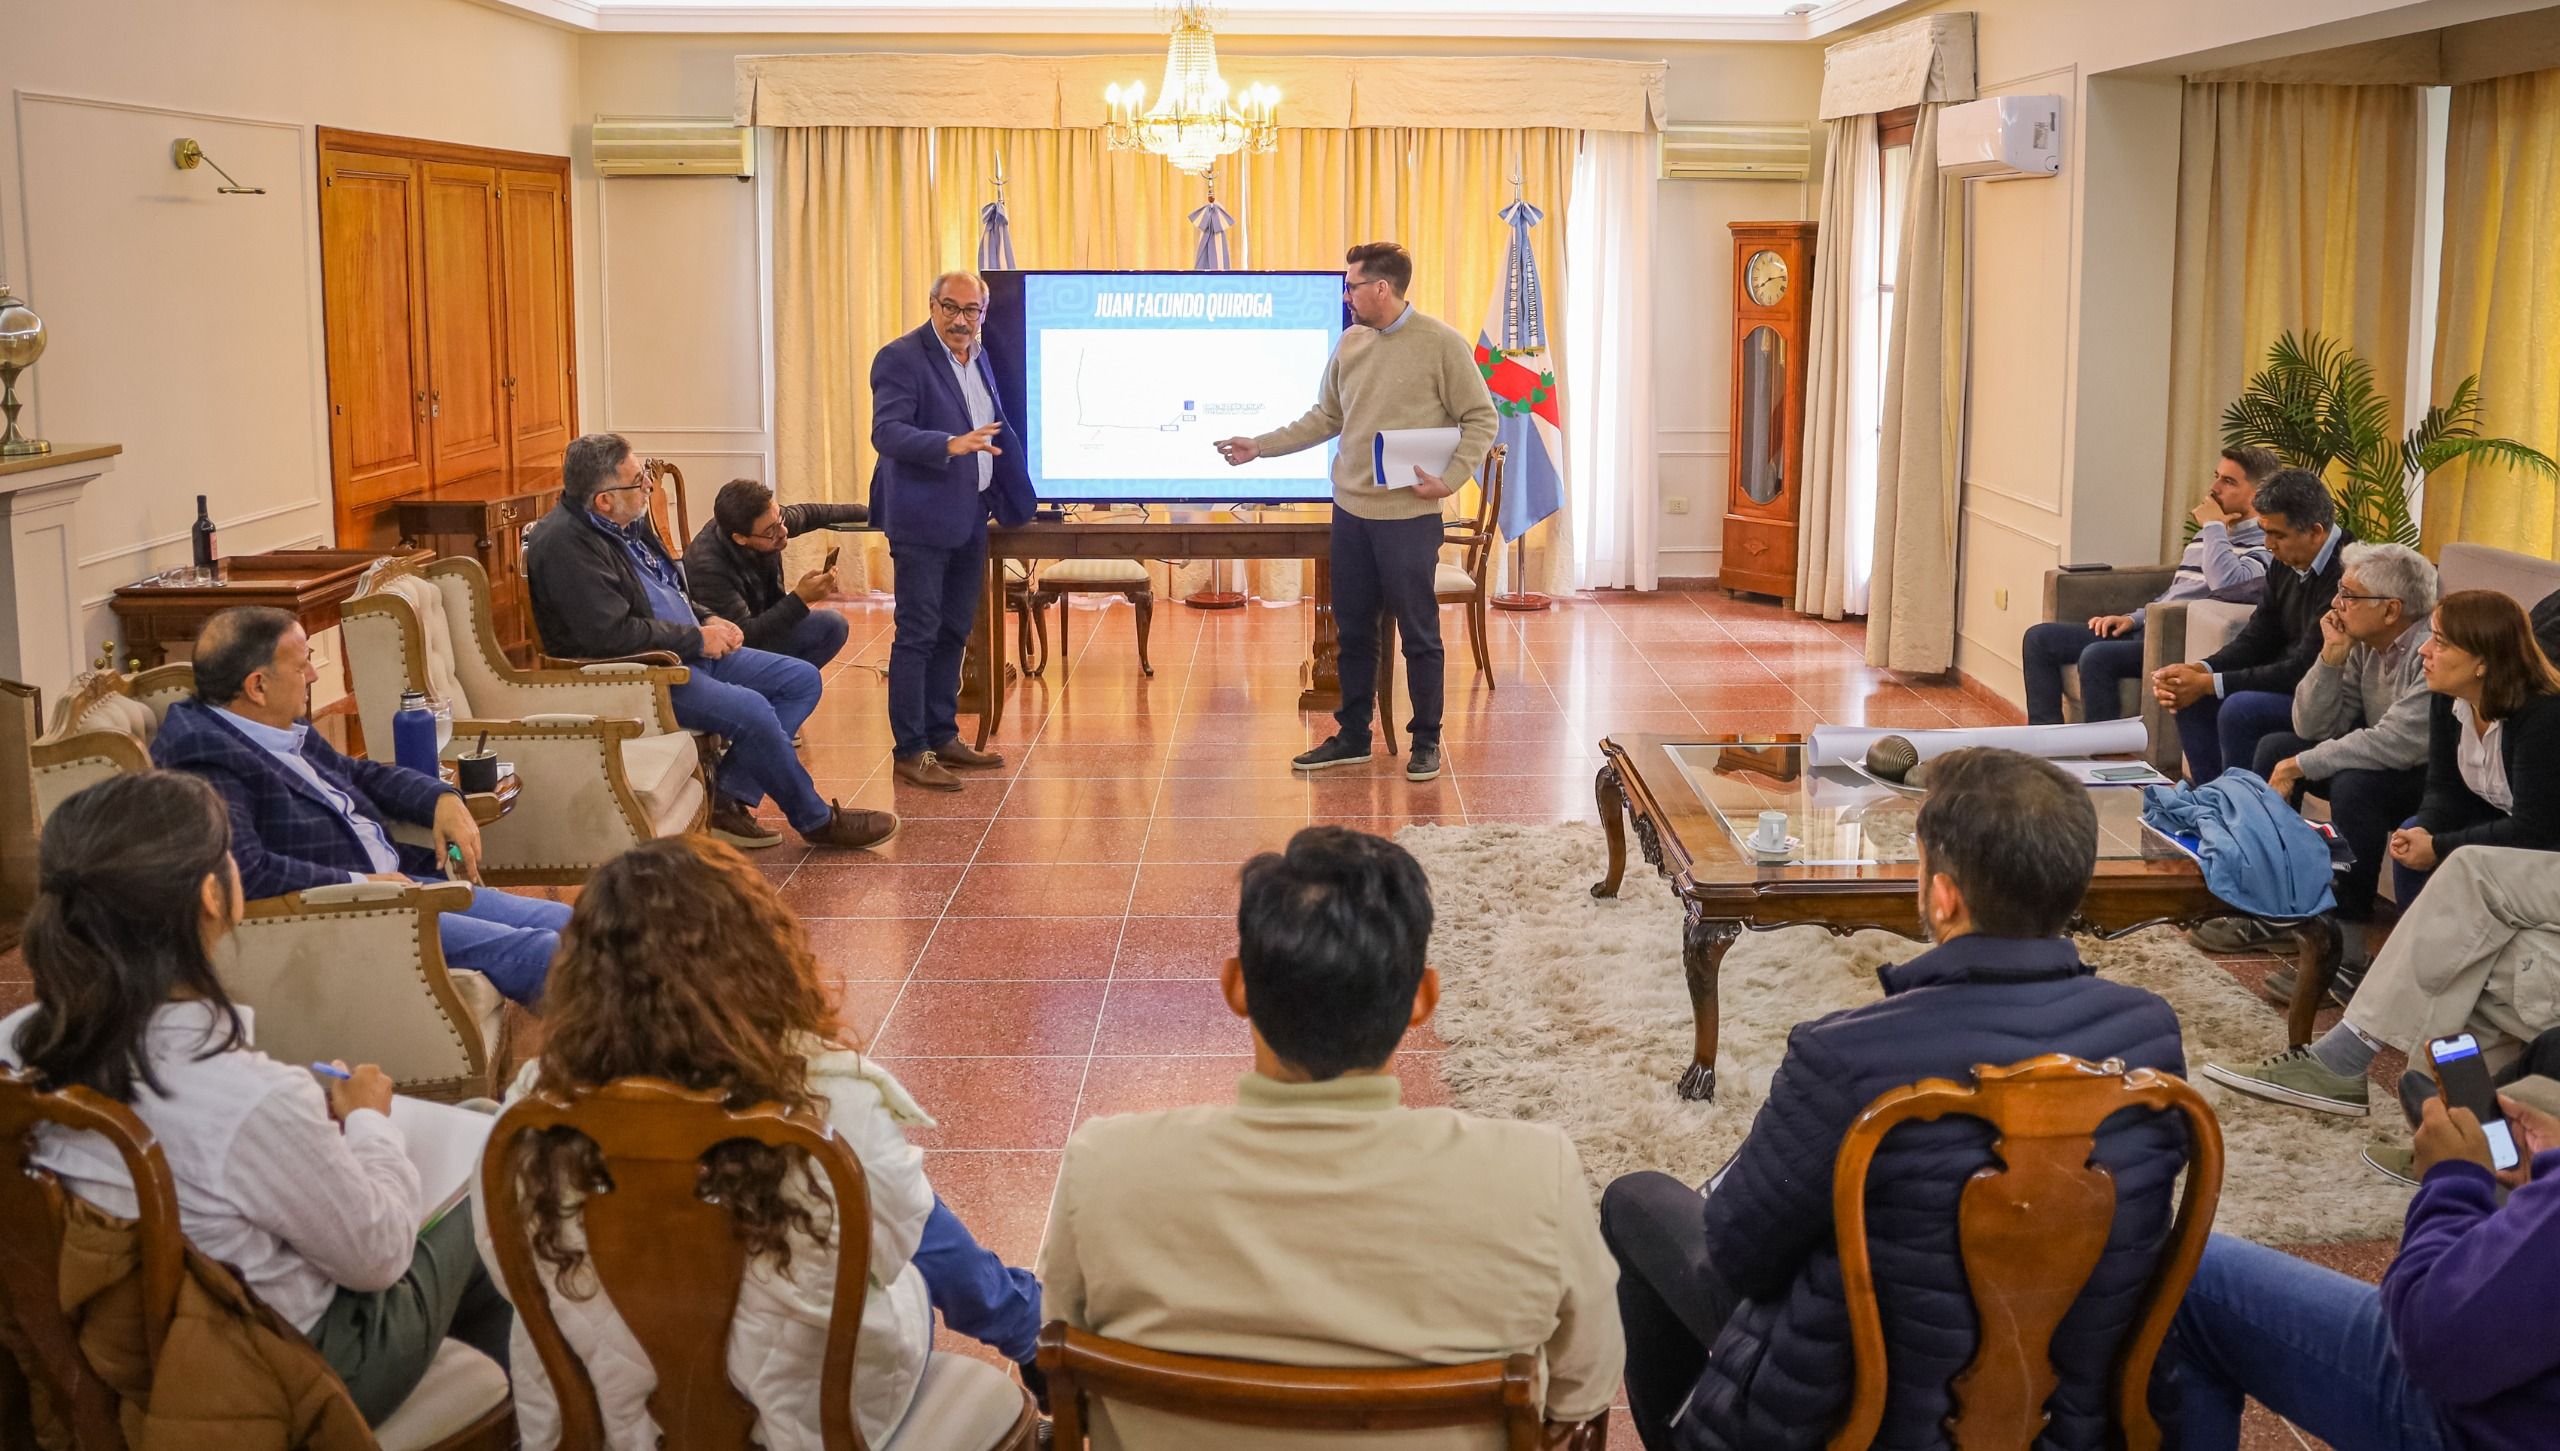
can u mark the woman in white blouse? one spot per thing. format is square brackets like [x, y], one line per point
[2493, 745]
[681, 963]
[309, 1196]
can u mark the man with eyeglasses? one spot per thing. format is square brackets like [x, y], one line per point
[1398, 369]
[949, 460]
[733, 568]
[604, 587]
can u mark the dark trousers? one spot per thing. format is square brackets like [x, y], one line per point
[2105, 665]
[1390, 565]
[380, 1343]
[937, 601]
[1671, 1302]
[2363, 805]
[2216, 733]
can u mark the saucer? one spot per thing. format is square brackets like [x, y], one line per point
[1786, 849]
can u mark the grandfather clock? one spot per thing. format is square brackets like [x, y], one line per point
[1772, 276]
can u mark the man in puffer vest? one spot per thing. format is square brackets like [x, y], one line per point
[1737, 1328]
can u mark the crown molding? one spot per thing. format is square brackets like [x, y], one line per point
[1641, 20]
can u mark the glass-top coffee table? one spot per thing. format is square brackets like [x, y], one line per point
[1850, 861]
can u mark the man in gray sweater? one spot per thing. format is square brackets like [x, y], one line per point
[1396, 369]
[2359, 735]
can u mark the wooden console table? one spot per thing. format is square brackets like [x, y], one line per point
[311, 583]
[484, 518]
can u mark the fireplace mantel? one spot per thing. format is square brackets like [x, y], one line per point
[40, 562]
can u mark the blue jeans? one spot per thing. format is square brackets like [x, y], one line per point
[505, 938]
[937, 601]
[1385, 566]
[2216, 733]
[757, 700]
[818, 638]
[2105, 665]
[2309, 1342]
[978, 1294]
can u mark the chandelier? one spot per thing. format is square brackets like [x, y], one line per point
[1194, 120]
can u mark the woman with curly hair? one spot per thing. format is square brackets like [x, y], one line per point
[681, 963]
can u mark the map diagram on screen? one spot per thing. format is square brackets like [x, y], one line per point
[1148, 403]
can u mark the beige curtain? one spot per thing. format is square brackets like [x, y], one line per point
[2297, 211]
[1833, 511]
[1911, 621]
[2498, 311]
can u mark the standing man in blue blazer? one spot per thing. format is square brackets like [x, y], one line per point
[949, 459]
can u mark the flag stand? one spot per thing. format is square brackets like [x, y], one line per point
[1515, 599]
[1212, 255]
[1217, 596]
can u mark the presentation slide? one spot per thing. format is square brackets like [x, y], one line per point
[1124, 381]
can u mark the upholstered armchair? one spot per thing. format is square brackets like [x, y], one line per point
[354, 972]
[603, 764]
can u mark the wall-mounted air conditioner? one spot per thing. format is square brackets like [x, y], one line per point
[1736, 153]
[674, 148]
[2002, 138]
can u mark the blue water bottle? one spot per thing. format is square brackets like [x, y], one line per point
[413, 733]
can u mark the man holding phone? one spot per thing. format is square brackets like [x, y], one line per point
[733, 569]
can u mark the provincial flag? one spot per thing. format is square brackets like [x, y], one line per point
[1511, 352]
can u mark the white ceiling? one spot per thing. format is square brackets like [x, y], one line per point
[1761, 20]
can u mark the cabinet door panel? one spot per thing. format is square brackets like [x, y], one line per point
[541, 377]
[373, 286]
[466, 345]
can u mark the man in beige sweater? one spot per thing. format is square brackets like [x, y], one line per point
[1395, 369]
[1317, 1221]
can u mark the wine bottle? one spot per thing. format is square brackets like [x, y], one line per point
[203, 536]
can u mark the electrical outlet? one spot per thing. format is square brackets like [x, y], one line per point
[2000, 599]
[1676, 504]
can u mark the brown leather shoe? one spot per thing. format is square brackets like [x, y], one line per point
[853, 828]
[960, 755]
[733, 823]
[925, 771]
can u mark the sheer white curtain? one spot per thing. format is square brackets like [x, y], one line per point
[1835, 543]
[1610, 487]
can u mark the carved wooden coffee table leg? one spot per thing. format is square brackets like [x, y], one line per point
[2317, 947]
[1613, 810]
[1703, 943]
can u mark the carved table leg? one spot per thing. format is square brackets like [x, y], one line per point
[2318, 946]
[1606, 789]
[1703, 943]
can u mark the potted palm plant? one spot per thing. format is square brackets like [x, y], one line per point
[2316, 405]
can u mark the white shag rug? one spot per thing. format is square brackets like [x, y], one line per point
[1564, 1009]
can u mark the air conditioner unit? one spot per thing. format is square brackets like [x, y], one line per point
[674, 148]
[2004, 138]
[1736, 153]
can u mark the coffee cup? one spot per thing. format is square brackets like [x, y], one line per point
[1772, 833]
[477, 771]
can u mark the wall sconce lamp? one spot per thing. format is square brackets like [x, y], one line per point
[188, 155]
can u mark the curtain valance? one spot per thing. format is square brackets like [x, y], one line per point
[1928, 59]
[1317, 92]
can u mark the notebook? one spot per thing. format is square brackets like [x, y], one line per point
[444, 1143]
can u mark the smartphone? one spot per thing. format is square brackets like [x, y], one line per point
[832, 556]
[2125, 773]
[2465, 1081]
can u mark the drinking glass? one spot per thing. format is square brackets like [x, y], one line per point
[443, 709]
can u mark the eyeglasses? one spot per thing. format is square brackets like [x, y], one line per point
[1349, 288]
[948, 308]
[2369, 599]
[776, 533]
[645, 483]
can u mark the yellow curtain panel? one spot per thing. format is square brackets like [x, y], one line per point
[2498, 309]
[2297, 211]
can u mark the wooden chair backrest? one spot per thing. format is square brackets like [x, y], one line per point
[1084, 1367]
[31, 1227]
[667, 507]
[2032, 1226]
[668, 1261]
[1476, 540]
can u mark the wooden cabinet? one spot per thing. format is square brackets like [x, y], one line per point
[484, 518]
[1772, 277]
[451, 334]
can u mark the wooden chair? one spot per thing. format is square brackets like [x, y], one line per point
[463, 1405]
[1496, 1394]
[2032, 1227]
[1029, 621]
[352, 971]
[1469, 582]
[671, 1263]
[667, 506]
[1127, 578]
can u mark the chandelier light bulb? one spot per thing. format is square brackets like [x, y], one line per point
[1197, 116]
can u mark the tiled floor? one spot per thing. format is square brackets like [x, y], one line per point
[1041, 948]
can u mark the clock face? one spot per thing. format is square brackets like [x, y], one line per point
[1765, 277]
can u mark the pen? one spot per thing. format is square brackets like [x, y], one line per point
[328, 1070]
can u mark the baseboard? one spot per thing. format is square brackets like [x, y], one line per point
[1989, 696]
[1685, 581]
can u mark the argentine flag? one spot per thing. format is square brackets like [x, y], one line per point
[1511, 352]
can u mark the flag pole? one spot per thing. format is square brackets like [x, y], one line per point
[1217, 596]
[1515, 599]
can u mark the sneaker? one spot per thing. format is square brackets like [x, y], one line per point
[853, 828]
[2238, 934]
[957, 754]
[1336, 751]
[1423, 764]
[2297, 1078]
[733, 823]
[925, 770]
[2394, 1161]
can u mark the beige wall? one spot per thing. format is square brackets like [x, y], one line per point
[186, 325]
[692, 384]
